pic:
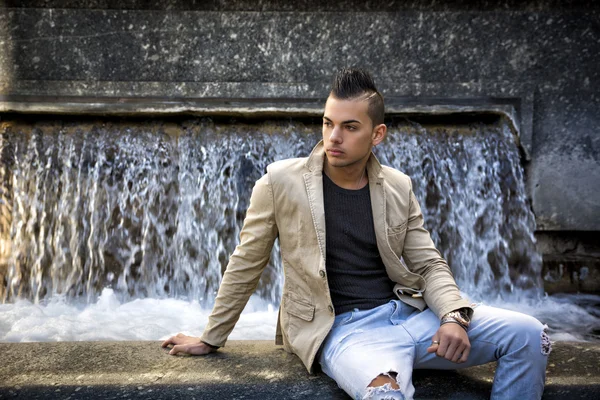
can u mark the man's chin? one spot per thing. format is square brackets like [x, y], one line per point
[336, 162]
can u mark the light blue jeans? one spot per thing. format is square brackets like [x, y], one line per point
[394, 337]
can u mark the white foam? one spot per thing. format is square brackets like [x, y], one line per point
[570, 317]
[108, 319]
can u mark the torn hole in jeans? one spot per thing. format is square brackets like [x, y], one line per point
[386, 391]
[546, 343]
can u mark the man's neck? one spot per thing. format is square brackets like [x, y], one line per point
[352, 177]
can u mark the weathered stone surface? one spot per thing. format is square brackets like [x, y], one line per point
[571, 261]
[244, 369]
[300, 48]
[306, 5]
[541, 56]
[565, 173]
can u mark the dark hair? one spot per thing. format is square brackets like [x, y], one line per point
[357, 84]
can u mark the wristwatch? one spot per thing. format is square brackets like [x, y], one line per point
[457, 317]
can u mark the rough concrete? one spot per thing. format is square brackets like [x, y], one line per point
[571, 261]
[243, 369]
[571, 274]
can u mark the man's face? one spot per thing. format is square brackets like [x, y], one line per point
[348, 132]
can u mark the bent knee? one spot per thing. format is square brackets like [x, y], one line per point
[533, 334]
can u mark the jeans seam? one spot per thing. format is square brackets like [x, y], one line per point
[409, 334]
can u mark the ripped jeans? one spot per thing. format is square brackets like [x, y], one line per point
[394, 337]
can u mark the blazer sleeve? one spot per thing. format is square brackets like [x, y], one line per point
[245, 264]
[421, 256]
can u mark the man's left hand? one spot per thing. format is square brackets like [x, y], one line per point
[453, 344]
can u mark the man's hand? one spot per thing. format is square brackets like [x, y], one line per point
[187, 345]
[453, 344]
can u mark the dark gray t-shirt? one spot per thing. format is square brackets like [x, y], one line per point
[355, 271]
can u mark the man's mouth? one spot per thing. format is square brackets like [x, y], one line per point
[335, 152]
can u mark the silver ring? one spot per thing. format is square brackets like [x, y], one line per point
[435, 342]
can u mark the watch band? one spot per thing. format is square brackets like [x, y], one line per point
[459, 316]
[452, 320]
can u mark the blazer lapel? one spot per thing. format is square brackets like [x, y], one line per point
[379, 209]
[314, 190]
[313, 181]
[378, 206]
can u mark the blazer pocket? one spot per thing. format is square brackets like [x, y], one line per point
[303, 311]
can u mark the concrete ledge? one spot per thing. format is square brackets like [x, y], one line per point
[249, 108]
[244, 369]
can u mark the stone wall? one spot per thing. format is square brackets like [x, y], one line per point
[541, 57]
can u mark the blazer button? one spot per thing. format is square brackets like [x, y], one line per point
[322, 273]
[330, 308]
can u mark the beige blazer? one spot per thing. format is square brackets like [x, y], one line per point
[287, 203]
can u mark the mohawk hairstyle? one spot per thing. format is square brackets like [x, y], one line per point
[357, 84]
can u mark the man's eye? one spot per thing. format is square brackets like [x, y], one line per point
[351, 128]
[326, 123]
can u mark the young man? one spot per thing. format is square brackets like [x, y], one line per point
[349, 302]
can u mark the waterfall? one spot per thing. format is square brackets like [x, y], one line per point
[151, 214]
[469, 182]
[121, 229]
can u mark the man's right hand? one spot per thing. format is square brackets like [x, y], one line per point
[187, 345]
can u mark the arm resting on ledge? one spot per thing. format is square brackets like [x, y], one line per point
[241, 276]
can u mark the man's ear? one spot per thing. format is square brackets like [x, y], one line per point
[379, 133]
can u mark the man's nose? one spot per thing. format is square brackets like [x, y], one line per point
[336, 135]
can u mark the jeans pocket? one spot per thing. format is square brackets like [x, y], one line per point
[395, 309]
[400, 312]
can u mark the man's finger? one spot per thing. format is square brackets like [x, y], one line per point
[457, 353]
[435, 343]
[179, 348]
[168, 342]
[451, 350]
[433, 348]
[442, 348]
[465, 354]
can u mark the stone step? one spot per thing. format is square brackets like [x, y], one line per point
[242, 370]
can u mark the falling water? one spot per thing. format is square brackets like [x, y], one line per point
[470, 184]
[145, 213]
[106, 216]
